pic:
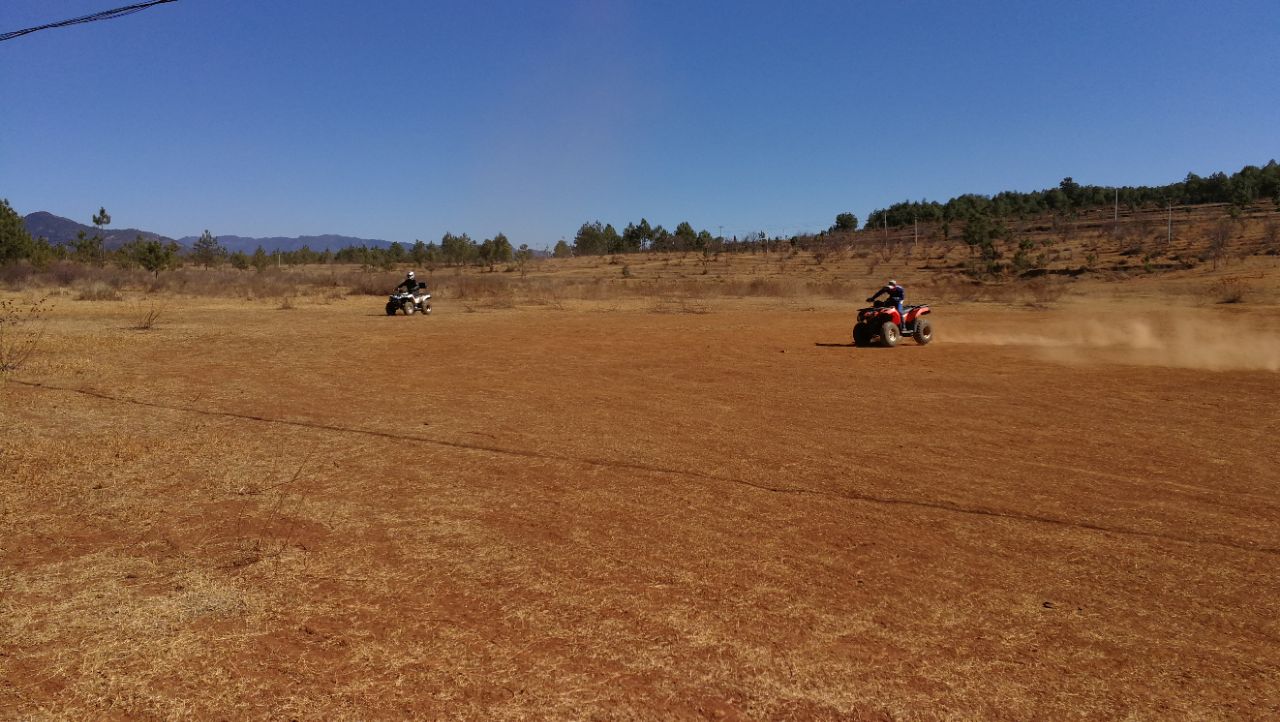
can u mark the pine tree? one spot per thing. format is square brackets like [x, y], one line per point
[207, 251]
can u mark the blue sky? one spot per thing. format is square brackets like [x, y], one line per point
[402, 120]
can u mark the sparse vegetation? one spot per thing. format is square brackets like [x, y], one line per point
[1271, 236]
[1218, 236]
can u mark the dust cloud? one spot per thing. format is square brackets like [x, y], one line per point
[1168, 341]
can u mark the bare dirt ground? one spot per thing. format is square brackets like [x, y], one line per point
[642, 510]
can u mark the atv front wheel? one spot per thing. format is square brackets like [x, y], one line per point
[391, 309]
[889, 334]
[924, 331]
[862, 335]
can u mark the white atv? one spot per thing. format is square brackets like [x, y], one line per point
[409, 303]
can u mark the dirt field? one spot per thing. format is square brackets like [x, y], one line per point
[643, 510]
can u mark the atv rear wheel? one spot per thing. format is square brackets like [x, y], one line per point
[924, 331]
[862, 335]
[889, 334]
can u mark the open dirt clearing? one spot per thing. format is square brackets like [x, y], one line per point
[635, 511]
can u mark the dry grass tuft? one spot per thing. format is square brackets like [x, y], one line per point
[147, 316]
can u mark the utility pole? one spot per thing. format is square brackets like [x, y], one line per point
[915, 238]
[1116, 215]
[1168, 241]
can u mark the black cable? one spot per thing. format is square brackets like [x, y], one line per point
[104, 15]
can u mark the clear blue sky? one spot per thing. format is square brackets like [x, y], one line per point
[401, 119]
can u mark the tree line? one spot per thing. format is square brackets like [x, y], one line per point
[452, 250]
[153, 255]
[597, 239]
[1250, 185]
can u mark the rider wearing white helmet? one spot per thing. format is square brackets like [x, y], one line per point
[897, 294]
[410, 283]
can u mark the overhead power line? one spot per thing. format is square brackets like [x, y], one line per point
[104, 15]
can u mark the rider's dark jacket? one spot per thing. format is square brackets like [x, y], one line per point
[897, 294]
[411, 285]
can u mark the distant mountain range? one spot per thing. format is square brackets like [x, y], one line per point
[60, 231]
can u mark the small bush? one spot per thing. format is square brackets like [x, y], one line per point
[98, 291]
[1232, 289]
[16, 275]
[372, 284]
[474, 287]
[21, 328]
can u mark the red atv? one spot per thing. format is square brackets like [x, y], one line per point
[882, 322]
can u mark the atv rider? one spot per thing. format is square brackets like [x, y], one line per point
[897, 294]
[411, 284]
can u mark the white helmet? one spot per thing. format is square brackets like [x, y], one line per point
[409, 275]
[892, 283]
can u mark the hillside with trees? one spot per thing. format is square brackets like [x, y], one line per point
[1250, 185]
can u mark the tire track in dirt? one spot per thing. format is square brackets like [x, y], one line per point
[688, 473]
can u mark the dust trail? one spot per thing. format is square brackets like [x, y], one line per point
[1172, 341]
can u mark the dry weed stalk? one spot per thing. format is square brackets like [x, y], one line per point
[149, 317]
[21, 328]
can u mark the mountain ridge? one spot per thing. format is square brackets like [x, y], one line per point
[63, 231]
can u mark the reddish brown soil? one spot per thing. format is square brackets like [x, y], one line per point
[614, 513]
